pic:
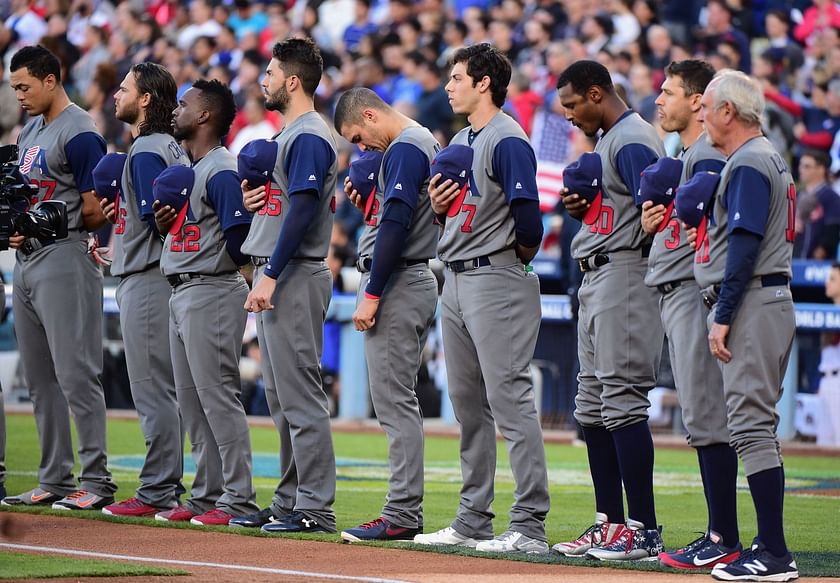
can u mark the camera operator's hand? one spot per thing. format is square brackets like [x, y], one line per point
[109, 209]
[164, 217]
[15, 241]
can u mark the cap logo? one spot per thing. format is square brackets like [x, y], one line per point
[463, 174]
[370, 176]
[518, 186]
[183, 192]
[700, 206]
[737, 216]
[594, 182]
[398, 186]
[113, 183]
[237, 214]
[312, 178]
[669, 192]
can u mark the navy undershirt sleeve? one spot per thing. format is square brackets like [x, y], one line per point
[741, 256]
[515, 168]
[389, 245]
[145, 167]
[747, 201]
[527, 222]
[307, 164]
[630, 161]
[225, 196]
[406, 169]
[234, 236]
[302, 210]
[708, 165]
[83, 153]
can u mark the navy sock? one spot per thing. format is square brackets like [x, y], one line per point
[767, 492]
[634, 447]
[606, 475]
[721, 466]
[704, 478]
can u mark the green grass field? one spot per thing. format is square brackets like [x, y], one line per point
[362, 474]
[25, 566]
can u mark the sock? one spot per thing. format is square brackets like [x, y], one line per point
[606, 475]
[768, 498]
[721, 466]
[705, 480]
[634, 447]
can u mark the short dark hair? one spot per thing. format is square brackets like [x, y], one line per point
[300, 57]
[483, 61]
[218, 99]
[582, 75]
[39, 61]
[821, 157]
[695, 74]
[349, 108]
[158, 82]
[460, 26]
[780, 15]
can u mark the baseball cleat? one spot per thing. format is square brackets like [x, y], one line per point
[379, 529]
[757, 564]
[82, 500]
[513, 542]
[446, 536]
[130, 507]
[34, 497]
[635, 543]
[703, 553]
[296, 522]
[602, 532]
[177, 514]
[215, 517]
[256, 520]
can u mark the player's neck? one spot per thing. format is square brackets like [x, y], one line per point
[614, 108]
[59, 104]
[200, 145]
[482, 115]
[397, 124]
[737, 137]
[691, 134]
[298, 107]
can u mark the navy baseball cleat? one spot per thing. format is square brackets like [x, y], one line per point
[757, 564]
[293, 523]
[256, 520]
[703, 553]
[379, 529]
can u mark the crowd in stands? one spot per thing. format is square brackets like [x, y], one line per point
[399, 48]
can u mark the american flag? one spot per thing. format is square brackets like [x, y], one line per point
[552, 139]
[29, 157]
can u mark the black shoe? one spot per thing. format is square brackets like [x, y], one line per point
[757, 564]
[2, 491]
[294, 522]
[256, 520]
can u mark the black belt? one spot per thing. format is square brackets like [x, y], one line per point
[710, 295]
[598, 260]
[259, 261]
[179, 278]
[467, 264]
[363, 264]
[668, 287]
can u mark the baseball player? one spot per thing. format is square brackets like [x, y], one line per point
[671, 270]
[491, 307]
[2, 404]
[145, 100]
[619, 339]
[200, 259]
[397, 295]
[745, 267]
[57, 297]
[289, 183]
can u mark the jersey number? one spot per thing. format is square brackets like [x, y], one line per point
[604, 224]
[374, 210]
[187, 240]
[790, 232]
[469, 209]
[273, 204]
[702, 255]
[119, 226]
[673, 241]
[47, 185]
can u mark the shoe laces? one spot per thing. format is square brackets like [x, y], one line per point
[506, 536]
[217, 512]
[694, 546]
[78, 494]
[132, 502]
[590, 534]
[373, 523]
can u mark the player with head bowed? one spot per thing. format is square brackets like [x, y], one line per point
[289, 183]
[57, 297]
[619, 334]
[397, 295]
[744, 266]
[488, 206]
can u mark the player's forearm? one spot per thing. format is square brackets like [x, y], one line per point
[302, 211]
[92, 215]
[741, 256]
[387, 250]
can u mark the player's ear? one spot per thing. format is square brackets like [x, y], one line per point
[484, 84]
[694, 102]
[145, 100]
[369, 115]
[595, 94]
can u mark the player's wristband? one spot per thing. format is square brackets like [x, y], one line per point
[369, 296]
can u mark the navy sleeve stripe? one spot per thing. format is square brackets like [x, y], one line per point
[307, 163]
[515, 167]
[406, 169]
[83, 153]
[145, 168]
[225, 196]
[747, 200]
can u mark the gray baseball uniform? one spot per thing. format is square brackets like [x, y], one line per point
[671, 269]
[2, 400]
[394, 345]
[57, 305]
[206, 324]
[490, 320]
[291, 336]
[761, 333]
[619, 341]
[143, 298]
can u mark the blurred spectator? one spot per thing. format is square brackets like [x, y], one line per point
[433, 109]
[201, 24]
[818, 209]
[201, 52]
[26, 25]
[642, 96]
[257, 126]
[247, 76]
[360, 27]
[625, 24]
[719, 29]
[9, 109]
[247, 17]
[782, 49]
[94, 51]
[659, 48]
[523, 101]
[824, 14]
[828, 422]
[819, 122]
[99, 101]
[596, 32]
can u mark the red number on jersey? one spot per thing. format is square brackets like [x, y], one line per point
[673, 241]
[273, 204]
[604, 224]
[187, 240]
[332, 204]
[47, 185]
[470, 210]
[790, 232]
[374, 210]
[702, 255]
[119, 226]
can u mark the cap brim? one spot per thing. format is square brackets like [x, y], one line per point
[594, 210]
[455, 205]
[179, 220]
[702, 232]
[669, 210]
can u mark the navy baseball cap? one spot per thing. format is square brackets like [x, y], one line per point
[256, 162]
[584, 177]
[173, 187]
[454, 162]
[694, 201]
[107, 175]
[364, 174]
[659, 184]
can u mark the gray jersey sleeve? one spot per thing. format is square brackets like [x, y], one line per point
[268, 220]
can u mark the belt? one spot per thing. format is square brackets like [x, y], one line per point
[259, 261]
[710, 295]
[668, 287]
[179, 278]
[468, 264]
[363, 264]
[598, 260]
